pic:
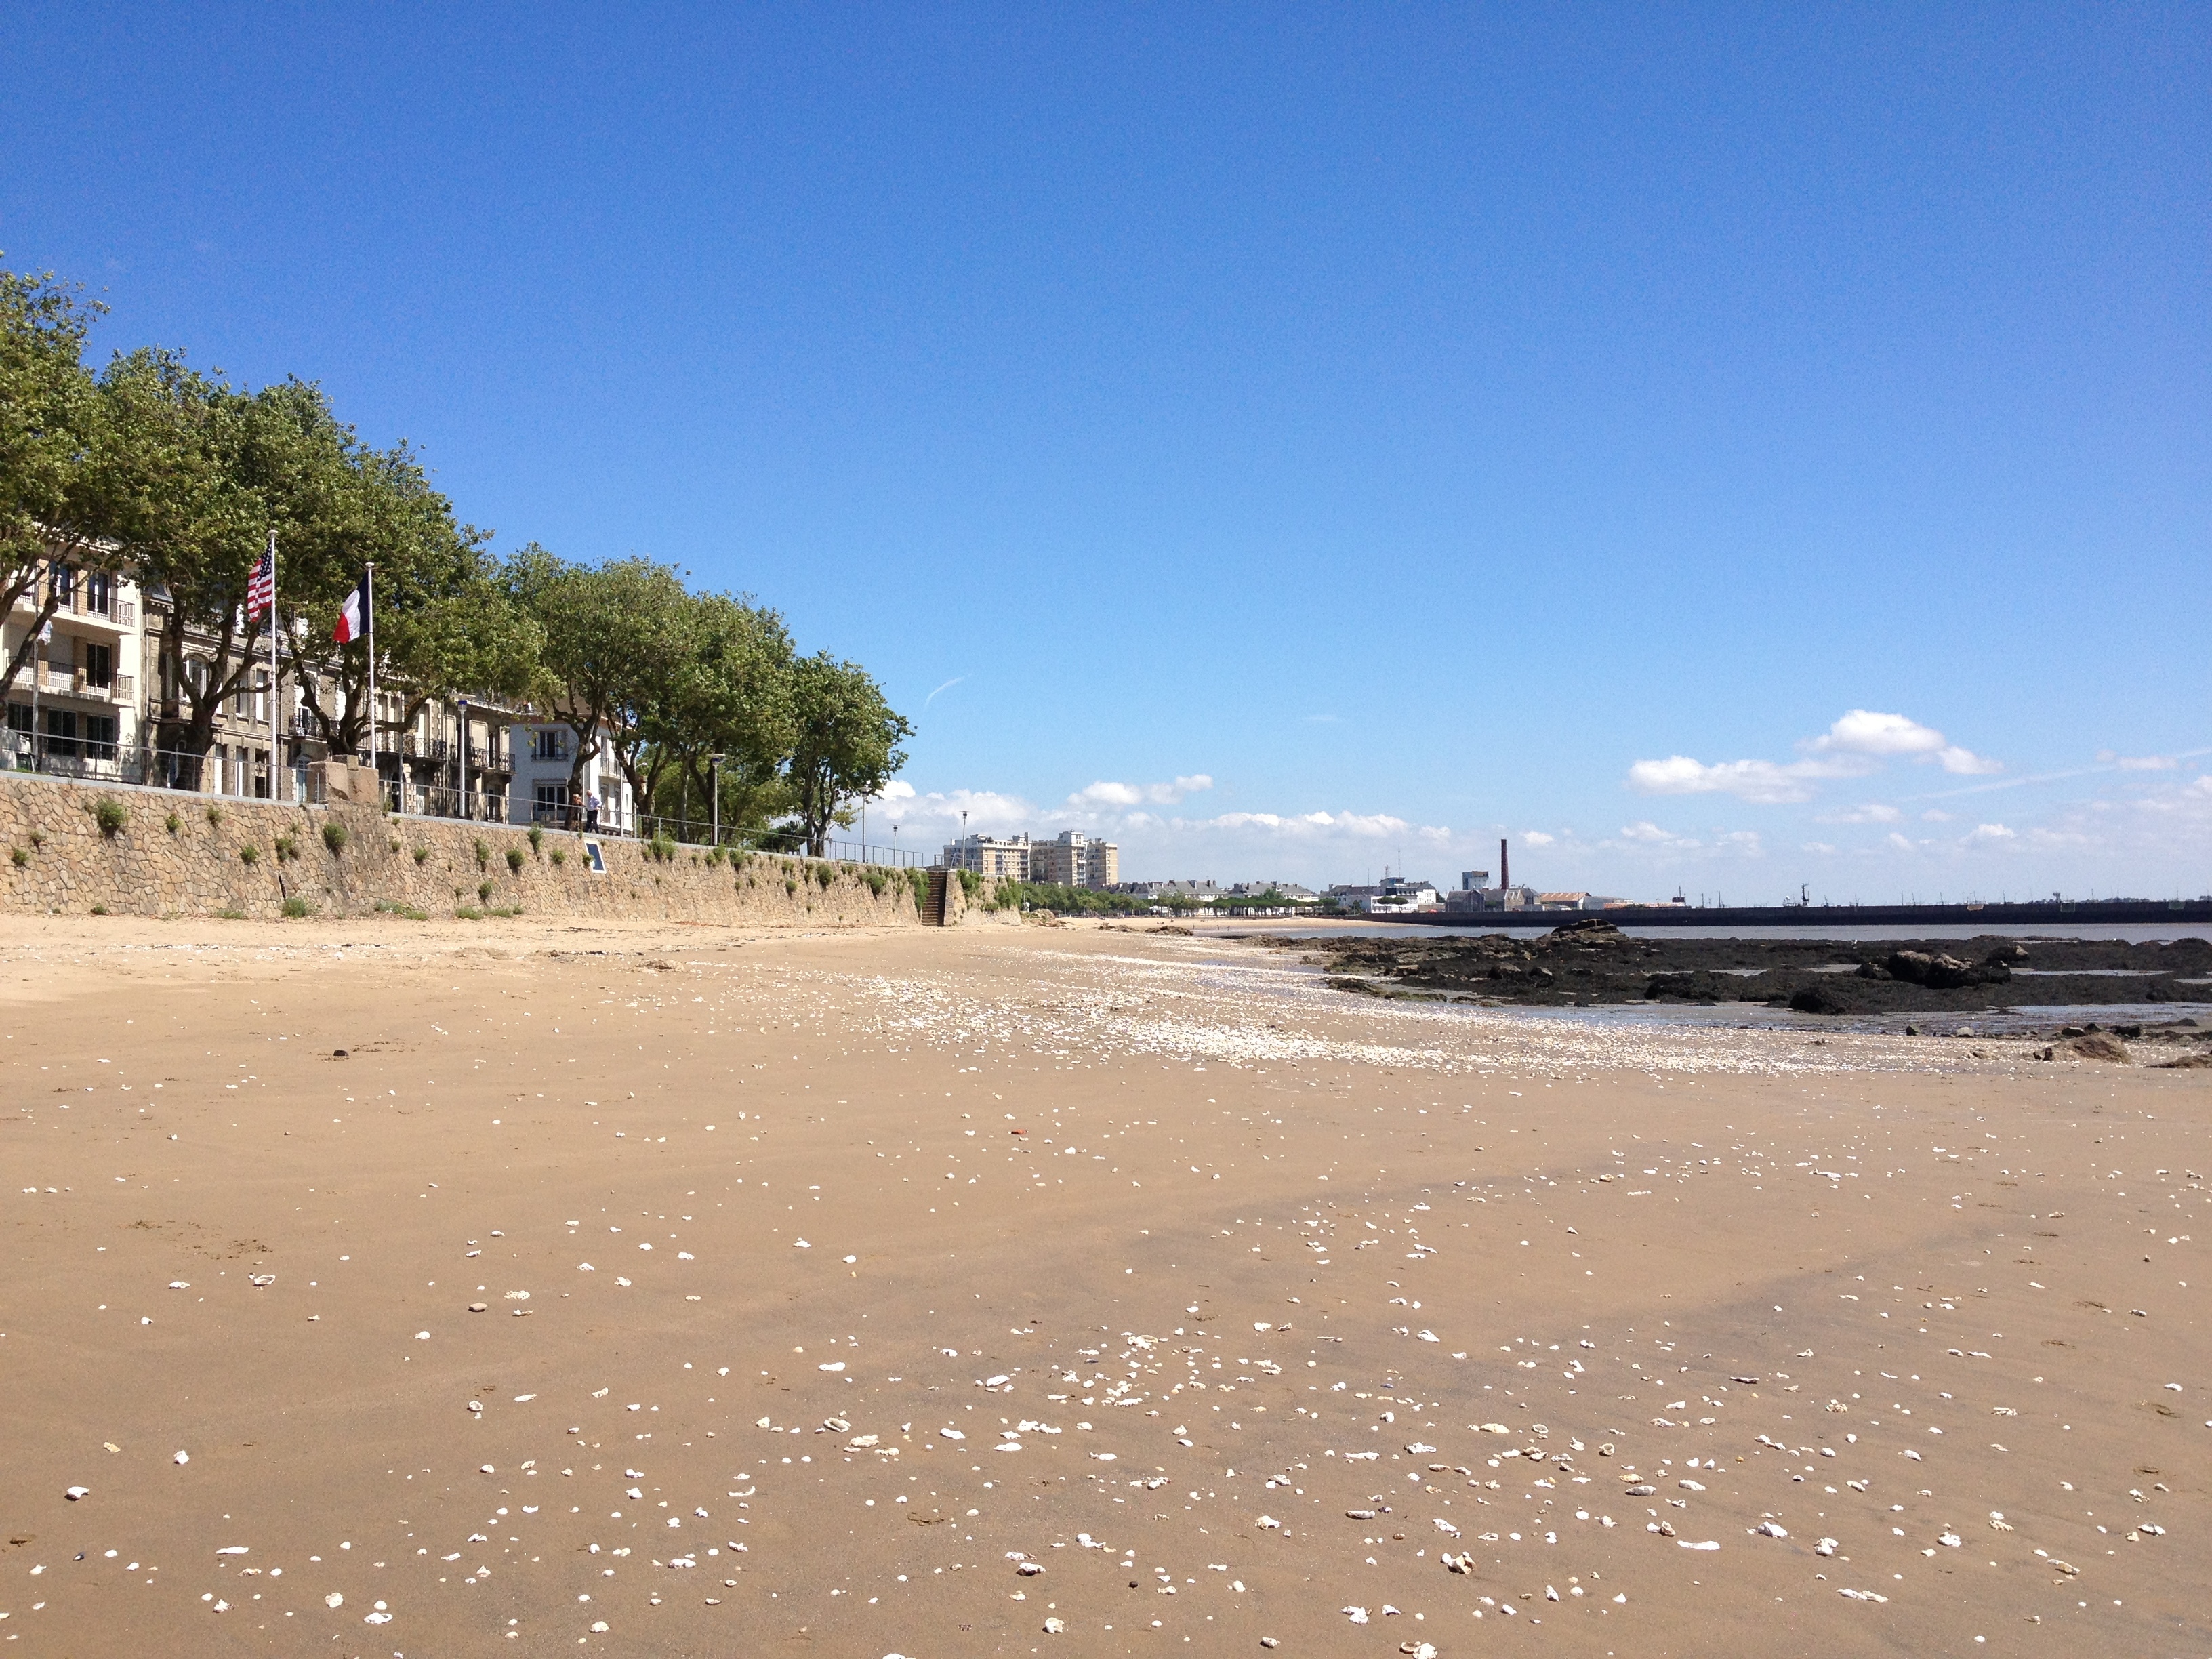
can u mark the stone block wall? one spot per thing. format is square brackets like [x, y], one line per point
[163, 853]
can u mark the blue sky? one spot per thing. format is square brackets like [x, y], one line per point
[1721, 448]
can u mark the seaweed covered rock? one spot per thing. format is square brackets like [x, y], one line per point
[1941, 971]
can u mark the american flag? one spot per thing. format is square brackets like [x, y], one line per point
[261, 591]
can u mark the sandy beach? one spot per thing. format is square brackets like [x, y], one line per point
[376, 1288]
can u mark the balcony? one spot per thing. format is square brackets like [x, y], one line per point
[72, 682]
[121, 616]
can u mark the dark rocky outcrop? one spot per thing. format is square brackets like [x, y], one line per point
[1589, 960]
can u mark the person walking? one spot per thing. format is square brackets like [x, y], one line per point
[592, 813]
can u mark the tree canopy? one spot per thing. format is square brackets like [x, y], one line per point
[155, 467]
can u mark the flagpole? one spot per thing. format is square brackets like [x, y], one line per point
[369, 589]
[275, 702]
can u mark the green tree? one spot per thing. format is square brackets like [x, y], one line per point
[175, 497]
[50, 435]
[845, 747]
[727, 690]
[445, 625]
[610, 632]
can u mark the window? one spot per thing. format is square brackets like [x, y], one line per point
[99, 594]
[551, 803]
[98, 664]
[64, 581]
[61, 731]
[19, 717]
[550, 743]
[99, 736]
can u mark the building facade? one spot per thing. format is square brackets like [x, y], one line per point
[1072, 859]
[77, 705]
[1004, 856]
[547, 789]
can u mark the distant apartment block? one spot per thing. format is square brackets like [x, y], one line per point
[1074, 859]
[1004, 856]
[1071, 860]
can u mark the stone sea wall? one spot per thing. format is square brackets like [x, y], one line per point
[72, 848]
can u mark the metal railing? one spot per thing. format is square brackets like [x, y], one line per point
[247, 776]
[434, 800]
[700, 832]
[244, 776]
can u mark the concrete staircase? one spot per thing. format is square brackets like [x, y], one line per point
[933, 908]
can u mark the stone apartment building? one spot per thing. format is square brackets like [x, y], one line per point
[77, 704]
[86, 705]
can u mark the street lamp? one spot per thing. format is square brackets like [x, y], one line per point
[465, 811]
[895, 844]
[714, 765]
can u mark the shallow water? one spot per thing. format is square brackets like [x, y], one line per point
[2146, 934]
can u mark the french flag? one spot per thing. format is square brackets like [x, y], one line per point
[355, 619]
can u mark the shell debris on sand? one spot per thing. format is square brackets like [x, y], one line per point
[1285, 1303]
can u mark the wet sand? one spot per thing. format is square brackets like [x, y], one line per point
[685, 1291]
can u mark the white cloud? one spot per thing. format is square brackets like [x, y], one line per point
[988, 811]
[1899, 842]
[1767, 783]
[1990, 834]
[2144, 763]
[1862, 731]
[1936, 815]
[1873, 812]
[1643, 829]
[1854, 746]
[1537, 838]
[1367, 826]
[1816, 847]
[1967, 763]
[1105, 793]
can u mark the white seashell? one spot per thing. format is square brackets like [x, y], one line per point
[1358, 1615]
[1770, 1529]
[953, 1434]
[334, 1599]
[183, 1457]
[75, 1493]
[1825, 1546]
